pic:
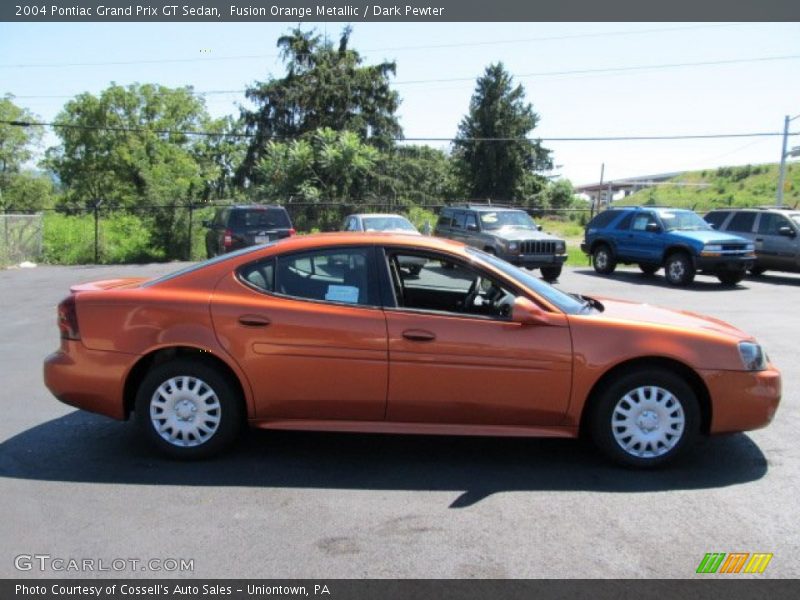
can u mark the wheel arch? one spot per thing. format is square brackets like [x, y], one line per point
[165, 354]
[686, 372]
[673, 248]
[602, 242]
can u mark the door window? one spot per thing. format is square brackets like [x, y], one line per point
[770, 223]
[334, 275]
[459, 219]
[640, 222]
[436, 283]
[742, 222]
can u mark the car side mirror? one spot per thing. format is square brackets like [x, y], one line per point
[472, 227]
[787, 231]
[525, 312]
[652, 228]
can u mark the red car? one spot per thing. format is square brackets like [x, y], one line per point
[327, 332]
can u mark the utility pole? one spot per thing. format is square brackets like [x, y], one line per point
[782, 171]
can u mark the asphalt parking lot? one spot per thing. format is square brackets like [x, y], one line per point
[76, 485]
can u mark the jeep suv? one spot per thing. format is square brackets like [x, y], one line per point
[775, 232]
[676, 239]
[235, 227]
[510, 234]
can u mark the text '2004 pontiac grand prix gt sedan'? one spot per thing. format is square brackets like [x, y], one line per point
[332, 332]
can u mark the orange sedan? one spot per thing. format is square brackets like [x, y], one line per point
[332, 332]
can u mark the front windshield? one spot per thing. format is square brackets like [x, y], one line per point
[387, 224]
[683, 220]
[506, 218]
[571, 305]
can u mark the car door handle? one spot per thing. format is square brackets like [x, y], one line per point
[419, 335]
[254, 321]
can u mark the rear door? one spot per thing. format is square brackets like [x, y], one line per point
[308, 331]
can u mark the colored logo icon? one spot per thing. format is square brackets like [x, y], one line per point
[735, 562]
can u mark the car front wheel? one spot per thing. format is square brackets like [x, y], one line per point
[188, 409]
[603, 260]
[551, 273]
[678, 269]
[645, 418]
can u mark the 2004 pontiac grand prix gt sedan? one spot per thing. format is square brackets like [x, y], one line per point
[332, 332]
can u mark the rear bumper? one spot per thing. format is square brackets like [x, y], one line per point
[89, 379]
[724, 263]
[742, 400]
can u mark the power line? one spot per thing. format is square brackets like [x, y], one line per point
[386, 49]
[621, 138]
[609, 70]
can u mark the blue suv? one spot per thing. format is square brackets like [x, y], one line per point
[676, 239]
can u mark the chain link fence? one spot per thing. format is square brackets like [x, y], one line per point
[105, 235]
[20, 238]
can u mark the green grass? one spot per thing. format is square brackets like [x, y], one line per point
[743, 186]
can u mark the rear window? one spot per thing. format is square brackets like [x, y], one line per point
[267, 218]
[603, 219]
[742, 222]
[716, 219]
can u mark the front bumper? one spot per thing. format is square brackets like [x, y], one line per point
[89, 379]
[724, 263]
[534, 261]
[742, 400]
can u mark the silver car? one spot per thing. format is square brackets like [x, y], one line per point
[389, 223]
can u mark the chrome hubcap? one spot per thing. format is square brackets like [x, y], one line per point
[601, 259]
[185, 411]
[648, 422]
[676, 270]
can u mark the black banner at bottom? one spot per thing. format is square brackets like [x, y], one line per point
[388, 589]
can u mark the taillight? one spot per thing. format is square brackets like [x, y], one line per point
[68, 319]
[292, 231]
[227, 240]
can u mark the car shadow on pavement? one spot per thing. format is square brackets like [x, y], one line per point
[86, 448]
[703, 283]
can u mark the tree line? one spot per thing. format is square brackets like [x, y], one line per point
[325, 131]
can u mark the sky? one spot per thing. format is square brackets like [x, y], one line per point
[438, 63]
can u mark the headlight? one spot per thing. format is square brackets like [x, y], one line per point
[713, 247]
[512, 246]
[753, 357]
[561, 247]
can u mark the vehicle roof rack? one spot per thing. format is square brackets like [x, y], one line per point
[487, 204]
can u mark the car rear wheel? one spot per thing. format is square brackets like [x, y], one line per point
[678, 269]
[551, 273]
[645, 418]
[649, 268]
[188, 409]
[730, 277]
[603, 260]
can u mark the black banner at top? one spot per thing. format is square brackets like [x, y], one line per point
[298, 11]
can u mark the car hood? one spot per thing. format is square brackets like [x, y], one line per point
[624, 310]
[519, 235]
[710, 236]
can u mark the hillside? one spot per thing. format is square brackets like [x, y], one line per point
[728, 186]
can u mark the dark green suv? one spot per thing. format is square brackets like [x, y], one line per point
[508, 233]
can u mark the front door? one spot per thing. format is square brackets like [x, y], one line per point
[455, 357]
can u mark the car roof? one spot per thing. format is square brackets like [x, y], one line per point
[253, 206]
[359, 238]
[378, 215]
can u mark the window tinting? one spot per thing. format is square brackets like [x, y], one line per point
[603, 219]
[260, 275]
[716, 218]
[771, 223]
[445, 219]
[459, 219]
[742, 221]
[268, 218]
[340, 275]
[472, 221]
[625, 222]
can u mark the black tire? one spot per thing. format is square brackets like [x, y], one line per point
[603, 259]
[649, 268]
[757, 271]
[647, 448]
[679, 269]
[202, 377]
[551, 273]
[730, 277]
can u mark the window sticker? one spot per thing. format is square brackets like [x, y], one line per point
[489, 218]
[342, 293]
